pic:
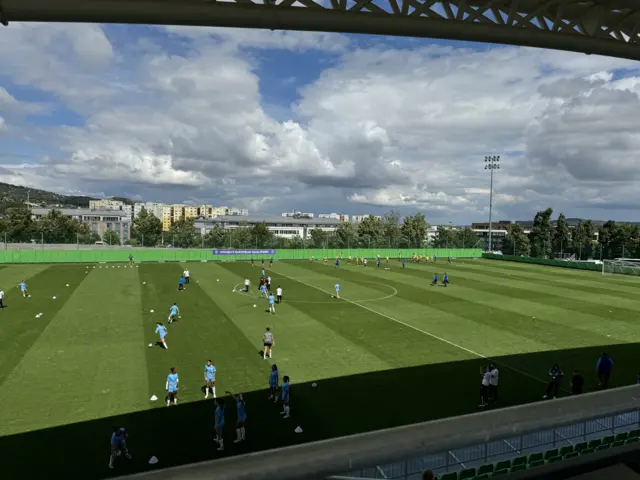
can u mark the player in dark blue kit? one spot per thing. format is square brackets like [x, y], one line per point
[338, 262]
[403, 262]
[118, 445]
[445, 280]
[435, 279]
[274, 379]
[378, 262]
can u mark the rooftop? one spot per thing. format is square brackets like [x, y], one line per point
[77, 212]
[253, 219]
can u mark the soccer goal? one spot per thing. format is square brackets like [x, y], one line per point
[623, 266]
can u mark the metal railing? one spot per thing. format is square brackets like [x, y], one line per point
[504, 449]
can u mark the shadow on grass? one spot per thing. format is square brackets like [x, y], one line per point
[336, 407]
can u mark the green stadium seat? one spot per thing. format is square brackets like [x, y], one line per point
[587, 451]
[516, 462]
[608, 440]
[518, 468]
[551, 453]
[484, 469]
[535, 457]
[555, 459]
[449, 476]
[634, 433]
[500, 473]
[469, 473]
[536, 463]
[566, 450]
[571, 455]
[579, 447]
[503, 465]
[482, 477]
[601, 448]
[595, 443]
[617, 443]
[631, 440]
[622, 436]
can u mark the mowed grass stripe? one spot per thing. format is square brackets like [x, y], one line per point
[595, 284]
[19, 328]
[63, 350]
[473, 307]
[370, 331]
[204, 332]
[306, 349]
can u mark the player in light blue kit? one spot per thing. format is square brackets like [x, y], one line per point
[162, 331]
[286, 397]
[241, 408]
[263, 290]
[23, 289]
[272, 301]
[210, 379]
[435, 279]
[337, 287]
[274, 379]
[219, 423]
[175, 311]
[172, 387]
[118, 445]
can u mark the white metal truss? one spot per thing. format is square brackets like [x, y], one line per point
[604, 27]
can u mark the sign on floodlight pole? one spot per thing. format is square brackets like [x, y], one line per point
[491, 164]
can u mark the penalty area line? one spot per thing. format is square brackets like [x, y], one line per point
[429, 334]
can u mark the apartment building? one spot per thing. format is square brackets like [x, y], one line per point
[99, 220]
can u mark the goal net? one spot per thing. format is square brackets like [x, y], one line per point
[623, 266]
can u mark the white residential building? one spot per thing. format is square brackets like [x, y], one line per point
[335, 216]
[360, 218]
[296, 214]
[110, 204]
[243, 212]
[280, 226]
[151, 207]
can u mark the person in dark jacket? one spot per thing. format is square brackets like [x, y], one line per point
[556, 375]
[603, 370]
[577, 383]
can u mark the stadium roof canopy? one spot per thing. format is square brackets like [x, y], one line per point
[603, 27]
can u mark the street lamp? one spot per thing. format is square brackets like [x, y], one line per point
[491, 164]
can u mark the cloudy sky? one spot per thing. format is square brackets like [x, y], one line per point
[275, 121]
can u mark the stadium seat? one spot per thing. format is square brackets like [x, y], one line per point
[622, 436]
[617, 443]
[601, 448]
[631, 440]
[503, 465]
[484, 469]
[500, 473]
[519, 461]
[608, 440]
[482, 477]
[571, 455]
[551, 453]
[555, 459]
[566, 450]
[579, 447]
[634, 433]
[593, 444]
[467, 474]
[449, 476]
[518, 468]
[587, 451]
[536, 463]
[535, 457]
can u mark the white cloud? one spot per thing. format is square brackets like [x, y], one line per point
[383, 127]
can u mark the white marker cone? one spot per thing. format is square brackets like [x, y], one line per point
[151, 311]
[153, 460]
[54, 297]
[153, 398]
[298, 430]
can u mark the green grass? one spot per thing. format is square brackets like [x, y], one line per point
[394, 351]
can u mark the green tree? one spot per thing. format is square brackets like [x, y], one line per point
[446, 238]
[183, 233]
[414, 230]
[391, 224]
[146, 229]
[465, 238]
[56, 228]
[111, 237]
[541, 235]
[371, 232]
[561, 235]
[90, 238]
[516, 242]
[319, 238]
[242, 237]
[346, 235]
[261, 235]
[296, 242]
[18, 225]
[217, 237]
[582, 236]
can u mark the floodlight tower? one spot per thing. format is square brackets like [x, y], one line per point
[492, 164]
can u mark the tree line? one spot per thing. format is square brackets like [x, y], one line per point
[614, 240]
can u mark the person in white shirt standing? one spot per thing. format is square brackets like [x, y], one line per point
[493, 383]
[268, 284]
[247, 282]
[279, 294]
[1, 298]
[187, 278]
[484, 387]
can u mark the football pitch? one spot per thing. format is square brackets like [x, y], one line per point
[395, 350]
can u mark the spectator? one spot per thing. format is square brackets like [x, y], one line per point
[484, 387]
[493, 383]
[556, 375]
[428, 475]
[577, 382]
[603, 370]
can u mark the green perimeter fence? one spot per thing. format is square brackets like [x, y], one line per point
[197, 255]
[545, 261]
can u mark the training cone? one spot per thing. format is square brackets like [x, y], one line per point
[153, 460]
[298, 430]
[151, 311]
[67, 284]
[153, 398]
[54, 298]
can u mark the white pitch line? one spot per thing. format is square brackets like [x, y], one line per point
[436, 337]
